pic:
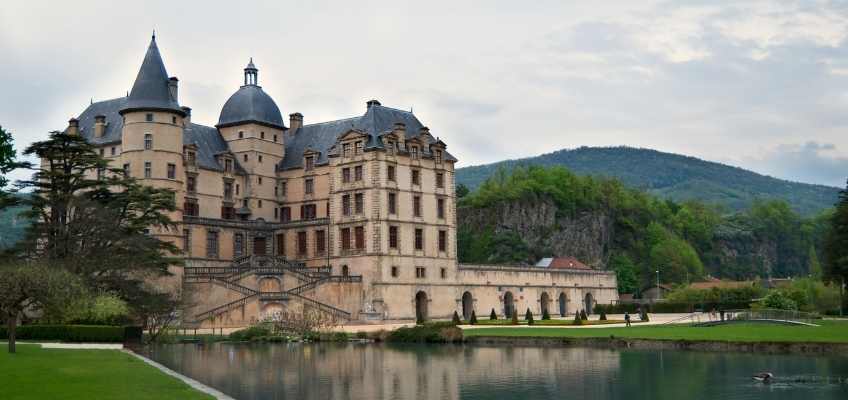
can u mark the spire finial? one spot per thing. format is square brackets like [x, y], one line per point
[153, 37]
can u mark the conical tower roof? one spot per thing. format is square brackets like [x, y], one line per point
[150, 90]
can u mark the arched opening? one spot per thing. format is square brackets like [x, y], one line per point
[545, 300]
[270, 285]
[509, 304]
[562, 302]
[467, 305]
[420, 307]
[345, 270]
[588, 303]
[271, 309]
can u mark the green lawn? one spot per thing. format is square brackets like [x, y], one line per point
[829, 331]
[555, 322]
[36, 373]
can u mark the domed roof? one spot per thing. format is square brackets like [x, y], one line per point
[251, 104]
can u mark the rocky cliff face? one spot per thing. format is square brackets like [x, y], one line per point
[545, 230]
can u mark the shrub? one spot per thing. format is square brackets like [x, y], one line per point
[456, 320]
[583, 315]
[68, 333]
[529, 317]
[104, 309]
[577, 319]
[776, 299]
[515, 317]
[546, 315]
[247, 334]
[603, 316]
[473, 318]
[644, 315]
[436, 332]
[493, 316]
[361, 335]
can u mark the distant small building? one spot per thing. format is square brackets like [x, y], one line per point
[656, 292]
[720, 284]
[562, 263]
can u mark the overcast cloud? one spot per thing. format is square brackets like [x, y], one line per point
[761, 85]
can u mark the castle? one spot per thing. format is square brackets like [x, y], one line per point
[354, 217]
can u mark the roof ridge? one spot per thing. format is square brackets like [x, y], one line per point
[395, 109]
[331, 121]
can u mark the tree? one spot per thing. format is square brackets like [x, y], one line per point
[33, 287]
[493, 316]
[93, 220]
[455, 319]
[473, 320]
[677, 261]
[603, 316]
[528, 316]
[577, 319]
[545, 314]
[515, 317]
[7, 164]
[815, 265]
[461, 191]
[583, 315]
[625, 273]
[836, 246]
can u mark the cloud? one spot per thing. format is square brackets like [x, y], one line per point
[808, 162]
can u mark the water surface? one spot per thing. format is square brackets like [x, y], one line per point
[374, 371]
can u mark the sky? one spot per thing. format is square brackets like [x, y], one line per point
[761, 85]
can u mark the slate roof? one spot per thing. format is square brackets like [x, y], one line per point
[377, 121]
[251, 104]
[562, 263]
[114, 121]
[150, 89]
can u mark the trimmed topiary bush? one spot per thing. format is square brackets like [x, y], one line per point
[529, 317]
[248, 334]
[583, 315]
[473, 318]
[546, 315]
[577, 319]
[493, 316]
[603, 316]
[456, 320]
[514, 317]
[644, 315]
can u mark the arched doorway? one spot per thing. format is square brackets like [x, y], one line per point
[562, 301]
[345, 270]
[420, 307]
[545, 300]
[271, 310]
[467, 305]
[509, 304]
[588, 303]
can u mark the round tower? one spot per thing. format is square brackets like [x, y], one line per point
[152, 135]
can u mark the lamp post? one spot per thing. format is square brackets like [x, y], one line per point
[658, 284]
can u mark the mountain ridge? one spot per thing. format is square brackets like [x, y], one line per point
[674, 176]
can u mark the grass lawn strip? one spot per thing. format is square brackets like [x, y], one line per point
[828, 332]
[36, 373]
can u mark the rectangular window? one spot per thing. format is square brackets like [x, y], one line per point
[148, 141]
[420, 272]
[259, 180]
[390, 147]
[191, 208]
[228, 212]
[148, 172]
[320, 241]
[285, 214]
[440, 180]
[113, 150]
[443, 241]
[187, 241]
[102, 152]
[238, 244]
[440, 208]
[99, 174]
[438, 156]
[228, 191]
[419, 239]
[392, 203]
[262, 135]
[301, 243]
[393, 237]
[237, 189]
[346, 150]
[245, 158]
[211, 244]
[308, 186]
[394, 272]
[358, 149]
[390, 173]
[444, 272]
[360, 237]
[148, 117]
[259, 203]
[228, 165]
[191, 184]
[126, 170]
[345, 238]
[413, 152]
[284, 187]
[172, 171]
[310, 163]
[346, 204]
[416, 177]
[357, 173]
[281, 244]
[416, 206]
[308, 211]
[345, 175]
[260, 158]
[359, 203]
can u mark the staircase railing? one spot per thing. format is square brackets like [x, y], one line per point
[214, 312]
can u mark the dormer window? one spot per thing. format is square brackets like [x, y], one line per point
[309, 161]
[358, 149]
[228, 165]
[413, 152]
[390, 147]
[437, 156]
[346, 150]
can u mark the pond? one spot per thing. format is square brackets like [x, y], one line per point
[404, 372]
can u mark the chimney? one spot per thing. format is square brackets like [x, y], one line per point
[373, 103]
[424, 131]
[187, 118]
[73, 126]
[99, 125]
[172, 88]
[295, 121]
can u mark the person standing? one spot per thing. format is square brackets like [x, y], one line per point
[627, 318]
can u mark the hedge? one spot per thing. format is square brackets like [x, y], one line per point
[664, 307]
[68, 333]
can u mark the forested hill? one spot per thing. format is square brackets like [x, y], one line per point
[671, 176]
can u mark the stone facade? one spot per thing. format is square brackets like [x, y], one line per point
[356, 217]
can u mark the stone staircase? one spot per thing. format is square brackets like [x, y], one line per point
[228, 278]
